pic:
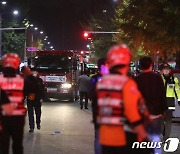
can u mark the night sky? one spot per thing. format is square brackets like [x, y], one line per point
[61, 19]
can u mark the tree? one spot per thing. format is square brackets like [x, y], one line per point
[152, 25]
[13, 40]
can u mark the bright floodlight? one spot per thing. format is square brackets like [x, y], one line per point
[41, 32]
[51, 47]
[31, 25]
[48, 43]
[4, 3]
[36, 28]
[15, 12]
[88, 46]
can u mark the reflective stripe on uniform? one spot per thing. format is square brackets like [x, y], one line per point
[171, 108]
[19, 112]
[14, 88]
[15, 98]
[14, 83]
[111, 120]
[112, 82]
[110, 101]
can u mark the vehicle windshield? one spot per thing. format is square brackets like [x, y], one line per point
[53, 64]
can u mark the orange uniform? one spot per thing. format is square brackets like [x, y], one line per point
[123, 96]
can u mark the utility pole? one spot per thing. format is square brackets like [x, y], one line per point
[0, 34]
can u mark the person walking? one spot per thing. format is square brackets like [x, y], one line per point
[34, 96]
[152, 89]
[171, 83]
[121, 107]
[84, 83]
[13, 84]
[103, 69]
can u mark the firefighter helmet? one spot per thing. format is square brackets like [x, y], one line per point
[11, 60]
[119, 55]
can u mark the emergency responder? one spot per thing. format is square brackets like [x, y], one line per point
[5, 109]
[5, 106]
[152, 89]
[13, 84]
[120, 106]
[34, 97]
[103, 69]
[171, 84]
[84, 83]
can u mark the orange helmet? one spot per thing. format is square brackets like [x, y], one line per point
[119, 55]
[11, 60]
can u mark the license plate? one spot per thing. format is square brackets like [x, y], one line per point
[51, 89]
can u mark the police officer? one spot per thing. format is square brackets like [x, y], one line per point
[13, 84]
[34, 97]
[171, 83]
[121, 122]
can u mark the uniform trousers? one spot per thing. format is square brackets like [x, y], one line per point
[31, 107]
[13, 127]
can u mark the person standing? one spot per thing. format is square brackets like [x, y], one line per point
[5, 106]
[171, 83]
[34, 96]
[5, 109]
[13, 84]
[121, 107]
[152, 89]
[84, 83]
[103, 69]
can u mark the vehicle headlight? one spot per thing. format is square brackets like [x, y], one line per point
[66, 85]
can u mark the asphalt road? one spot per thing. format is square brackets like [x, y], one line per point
[75, 127]
[66, 129]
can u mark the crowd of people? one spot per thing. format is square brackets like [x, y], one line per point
[125, 109]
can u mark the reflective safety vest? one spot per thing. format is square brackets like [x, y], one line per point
[171, 87]
[110, 102]
[14, 88]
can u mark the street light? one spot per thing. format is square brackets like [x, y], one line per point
[3, 3]
[36, 28]
[15, 12]
[41, 32]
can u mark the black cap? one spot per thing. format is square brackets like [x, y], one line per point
[162, 66]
